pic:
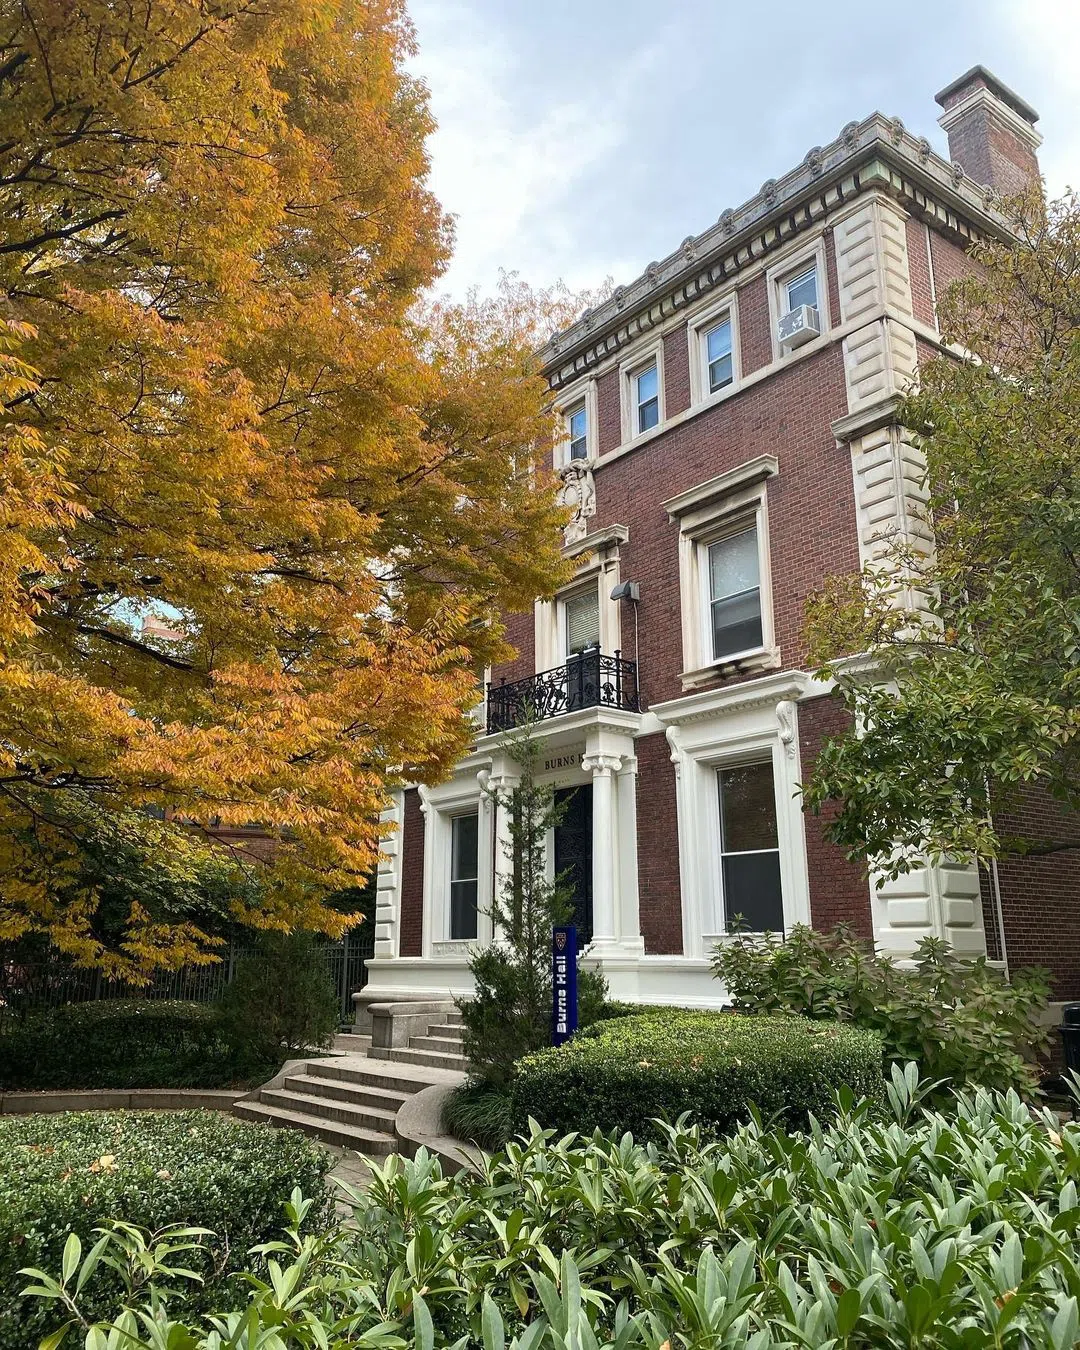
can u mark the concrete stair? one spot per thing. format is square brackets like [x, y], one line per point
[440, 1048]
[350, 1101]
[348, 1043]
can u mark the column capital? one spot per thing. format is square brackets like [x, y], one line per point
[602, 763]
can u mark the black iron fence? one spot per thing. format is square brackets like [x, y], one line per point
[588, 679]
[35, 986]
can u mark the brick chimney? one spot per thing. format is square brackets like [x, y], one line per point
[991, 131]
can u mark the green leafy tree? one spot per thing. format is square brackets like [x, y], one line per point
[974, 698]
[510, 1013]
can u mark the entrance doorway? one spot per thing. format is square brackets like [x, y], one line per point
[573, 854]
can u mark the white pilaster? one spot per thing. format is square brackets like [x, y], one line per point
[628, 913]
[388, 880]
[485, 855]
[431, 862]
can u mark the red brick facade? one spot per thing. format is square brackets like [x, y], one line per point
[1040, 895]
[658, 848]
[839, 890]
[412, 877]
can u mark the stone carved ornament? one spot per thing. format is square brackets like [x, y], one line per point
[578, 492]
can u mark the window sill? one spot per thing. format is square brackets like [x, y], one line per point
[766, 659]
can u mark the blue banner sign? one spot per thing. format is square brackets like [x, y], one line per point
[564, 983]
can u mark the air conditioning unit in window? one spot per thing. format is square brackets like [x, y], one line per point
[798, 326]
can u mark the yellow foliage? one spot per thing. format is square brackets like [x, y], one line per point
[222, 406]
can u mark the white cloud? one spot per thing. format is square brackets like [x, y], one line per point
[506, 162]
[1047, 36]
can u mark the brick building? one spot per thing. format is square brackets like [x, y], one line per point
[730, 440]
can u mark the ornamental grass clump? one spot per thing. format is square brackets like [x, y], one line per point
[715, 1066]
[889, 1228]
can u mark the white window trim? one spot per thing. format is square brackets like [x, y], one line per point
[629, 369]
[706, 514]
[725, 728]
[738, 522]
[460, 814]
[697, 333]
[782, 272]
[440, 805]
[561, 601]
[574, 398]
[549, 621]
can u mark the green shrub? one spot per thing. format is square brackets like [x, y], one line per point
[72, 1172]
[281, 1000]
[712, 1065]
[960, 1020]
[122, 1043]
[480, 1114]
[953, 1230]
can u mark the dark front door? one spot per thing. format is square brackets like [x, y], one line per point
[573, 854]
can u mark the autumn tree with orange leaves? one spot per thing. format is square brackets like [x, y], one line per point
[225, 410]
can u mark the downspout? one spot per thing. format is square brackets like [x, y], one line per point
[995, 890]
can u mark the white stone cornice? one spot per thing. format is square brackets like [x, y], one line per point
[876, 154]
[598, 541]
[791, 685]
[743, 475]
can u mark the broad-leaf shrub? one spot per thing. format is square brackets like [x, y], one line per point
[955, 1231]
[122, 1043]
[960, 1020]
[714, 1065]
[70, 1173]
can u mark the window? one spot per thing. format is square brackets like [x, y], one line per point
[577, 422]
[718, 355]
[734, 594]
[464, 875]
[581, 617]
[647, 398]
[749, 848]
[801, 289]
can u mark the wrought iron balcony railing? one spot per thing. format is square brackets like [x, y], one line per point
[586, 680]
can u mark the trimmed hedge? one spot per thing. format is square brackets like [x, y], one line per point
[73, 1172]
[714, 1065]
[123, 1043]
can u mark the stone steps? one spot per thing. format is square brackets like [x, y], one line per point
[378, 1119]
[348, 1043]
[342, 1090]
[447, 1045]
[352, 1099]
[372, 1143]
[433, 1059]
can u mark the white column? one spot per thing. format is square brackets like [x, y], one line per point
[603, 768]
[504, 777]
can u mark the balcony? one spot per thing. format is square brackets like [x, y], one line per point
[586, 680]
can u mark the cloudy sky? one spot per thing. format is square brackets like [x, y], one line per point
[581, 139]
